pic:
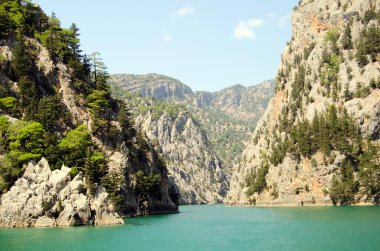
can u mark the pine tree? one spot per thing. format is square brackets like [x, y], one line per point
[21, 64]
[361, 51]
[28, 91]
[347, 93]
[347, 38]
[99, 71]
[6, 24]
[74, 42]
[49, 111]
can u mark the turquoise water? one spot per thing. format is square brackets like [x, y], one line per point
[216, 228]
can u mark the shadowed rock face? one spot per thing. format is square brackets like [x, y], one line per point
[45, 198]
[308, 181]
[193, 165]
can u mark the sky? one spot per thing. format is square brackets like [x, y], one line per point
[206, 44]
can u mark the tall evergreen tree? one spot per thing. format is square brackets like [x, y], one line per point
[74, 42]
[21, 64]
[347, 38]
[99, 71]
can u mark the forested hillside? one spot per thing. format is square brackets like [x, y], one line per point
[55, 103]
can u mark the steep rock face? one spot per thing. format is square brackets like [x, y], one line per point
[122, 151]
[45, 198]
[320, 70]
[196, 170]
[228, 116]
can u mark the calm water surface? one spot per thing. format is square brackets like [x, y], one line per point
[216, 228]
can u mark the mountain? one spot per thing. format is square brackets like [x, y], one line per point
[242, 103]
[194, 167]
[228, 116]
[318, 141]
[153, 85]
[69, 154]
[201, 134]
[191, 162]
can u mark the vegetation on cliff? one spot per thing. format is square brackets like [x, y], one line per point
[36, 122]
[317, 131]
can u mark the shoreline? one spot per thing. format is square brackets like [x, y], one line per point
[290, 205]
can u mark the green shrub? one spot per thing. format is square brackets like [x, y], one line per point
[74, 145]
[258, 181]
[370, 15]
[332, 36]
[26, 141]
[8, 103]
[343, 189]
[368, 45]
[74, 171]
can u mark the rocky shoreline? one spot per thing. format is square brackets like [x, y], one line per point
[45, 198]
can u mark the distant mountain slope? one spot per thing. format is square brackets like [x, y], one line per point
[228, 116]
[192, 164]
[153, 85]
[242, 103]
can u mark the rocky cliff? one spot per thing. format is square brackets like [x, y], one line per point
[195, 168]
[45, 198]
[318, 141]
[200, 134]
[54, 103]
[228, 116]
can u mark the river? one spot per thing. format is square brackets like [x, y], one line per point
[216, 227]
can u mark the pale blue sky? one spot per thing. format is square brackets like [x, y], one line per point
[207, 44]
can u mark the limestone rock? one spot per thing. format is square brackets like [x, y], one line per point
[209, 135]
[307, 181]
[40, 194]
[45, 221]
[196, 170]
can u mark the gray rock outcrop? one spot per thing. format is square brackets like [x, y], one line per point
[195, 168]
[45, 198]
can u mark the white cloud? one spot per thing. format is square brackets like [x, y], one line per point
[244, 29]
[270, 14]
[284, 20]
[185, 11]
[168, 38]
